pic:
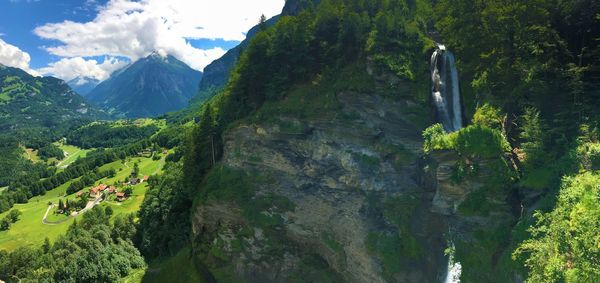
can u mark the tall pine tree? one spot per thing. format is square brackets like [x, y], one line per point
[202, 151]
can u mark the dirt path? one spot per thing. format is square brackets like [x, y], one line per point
[67, 155]
[46, 214]
[161, 163]
[87, 207]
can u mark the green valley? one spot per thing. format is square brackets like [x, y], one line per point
[30, 231]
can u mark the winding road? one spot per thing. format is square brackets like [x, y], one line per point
[93, 203]
[88, 206]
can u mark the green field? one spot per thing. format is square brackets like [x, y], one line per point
[4, 97]
[52, 217]
[31, 155]
[30, 230]
[73, 153]
[140, 122]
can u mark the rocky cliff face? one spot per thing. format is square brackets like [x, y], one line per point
[348, 195]
[480, 208]
[353, 182]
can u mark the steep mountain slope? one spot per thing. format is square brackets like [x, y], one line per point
[83, 85]
[319, 173]
[27, 102]
[216, 74]
[149, 87]
[315, 163]
[337, 196]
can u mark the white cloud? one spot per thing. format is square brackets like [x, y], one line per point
[133, 29]
[12, 56]
[70, 68]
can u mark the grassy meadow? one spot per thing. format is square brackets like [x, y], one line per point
[29, 229]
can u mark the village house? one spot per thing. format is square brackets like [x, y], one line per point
[98, 190]
[133, 180]
[146, 178]
[111, 189]
[94, 192]
[121, 196]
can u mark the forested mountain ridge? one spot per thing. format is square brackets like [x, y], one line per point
[149, 87]
[28, 102]
[216, 74]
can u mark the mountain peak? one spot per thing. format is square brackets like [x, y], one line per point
[81, 80]
[160, 53]
[83, 85]
[151, 86]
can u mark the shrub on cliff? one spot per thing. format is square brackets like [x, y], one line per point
[473, 141]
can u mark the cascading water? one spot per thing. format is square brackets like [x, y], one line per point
[445, 90]
[446, 97]
[454, 268]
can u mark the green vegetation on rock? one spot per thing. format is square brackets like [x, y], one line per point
[564, 244]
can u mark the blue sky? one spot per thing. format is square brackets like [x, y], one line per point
[69, 38]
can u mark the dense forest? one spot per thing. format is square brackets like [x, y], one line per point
[93, 250]
[107, 135]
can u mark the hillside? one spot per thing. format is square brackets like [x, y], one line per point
[28, 102]
[216, 74]
[149, 87]
[35, 112]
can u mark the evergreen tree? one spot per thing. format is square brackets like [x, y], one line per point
[136, 170]
[4, 224]
[46, 246]
[201, 149]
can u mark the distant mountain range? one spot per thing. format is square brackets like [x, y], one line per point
[83, 85]
[29, 102]
[150, 87]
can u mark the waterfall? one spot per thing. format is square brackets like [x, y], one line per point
[446, 97]
[454, 268]
[445, 89]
